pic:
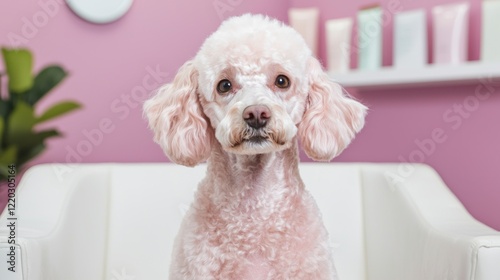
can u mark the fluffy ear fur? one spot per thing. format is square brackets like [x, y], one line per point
[331, 118]
[175, 115]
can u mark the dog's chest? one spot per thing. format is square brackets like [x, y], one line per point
[253, 230]
[249, 244]
[246, 243]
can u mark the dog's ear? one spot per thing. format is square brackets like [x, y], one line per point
[176, 117]
[331, 118]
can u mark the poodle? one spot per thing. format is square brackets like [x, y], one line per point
[251, 93]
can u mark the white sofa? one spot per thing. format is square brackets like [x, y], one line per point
[118, 222]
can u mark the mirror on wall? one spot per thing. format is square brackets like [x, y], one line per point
[100, 11]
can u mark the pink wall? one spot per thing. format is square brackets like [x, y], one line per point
[469, 158]
[112, 69]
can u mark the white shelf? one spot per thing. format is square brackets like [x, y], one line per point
[474, 72]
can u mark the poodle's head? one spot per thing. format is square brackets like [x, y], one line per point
[253, 87]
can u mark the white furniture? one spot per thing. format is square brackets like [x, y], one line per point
[118, 221]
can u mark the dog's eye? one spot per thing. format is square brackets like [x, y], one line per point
[282, 81]
[224, 86]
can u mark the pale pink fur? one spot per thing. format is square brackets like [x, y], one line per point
[252, 217]
[177, 120]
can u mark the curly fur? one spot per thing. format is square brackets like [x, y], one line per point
[252, 217]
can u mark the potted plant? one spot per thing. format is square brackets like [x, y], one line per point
[20, 139]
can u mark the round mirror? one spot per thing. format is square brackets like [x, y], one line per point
[100, 11]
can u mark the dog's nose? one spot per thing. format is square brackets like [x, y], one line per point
[256, 116]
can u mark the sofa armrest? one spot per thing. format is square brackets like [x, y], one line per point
[415, 228]
[20, 261]
[61, 222]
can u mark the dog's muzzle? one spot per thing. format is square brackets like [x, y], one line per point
[255, 129]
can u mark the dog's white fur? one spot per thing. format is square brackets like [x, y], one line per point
[252, 217]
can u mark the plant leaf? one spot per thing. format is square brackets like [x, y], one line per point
[8, 156]
[18, 64]
[30, 154]
[35, 145]
[4, 173]
[20, 125]
[2, 126]
[58, 110]
[4, 110]
[45, 81]
[37, 139]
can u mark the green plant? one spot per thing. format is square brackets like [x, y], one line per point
[20, 140]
